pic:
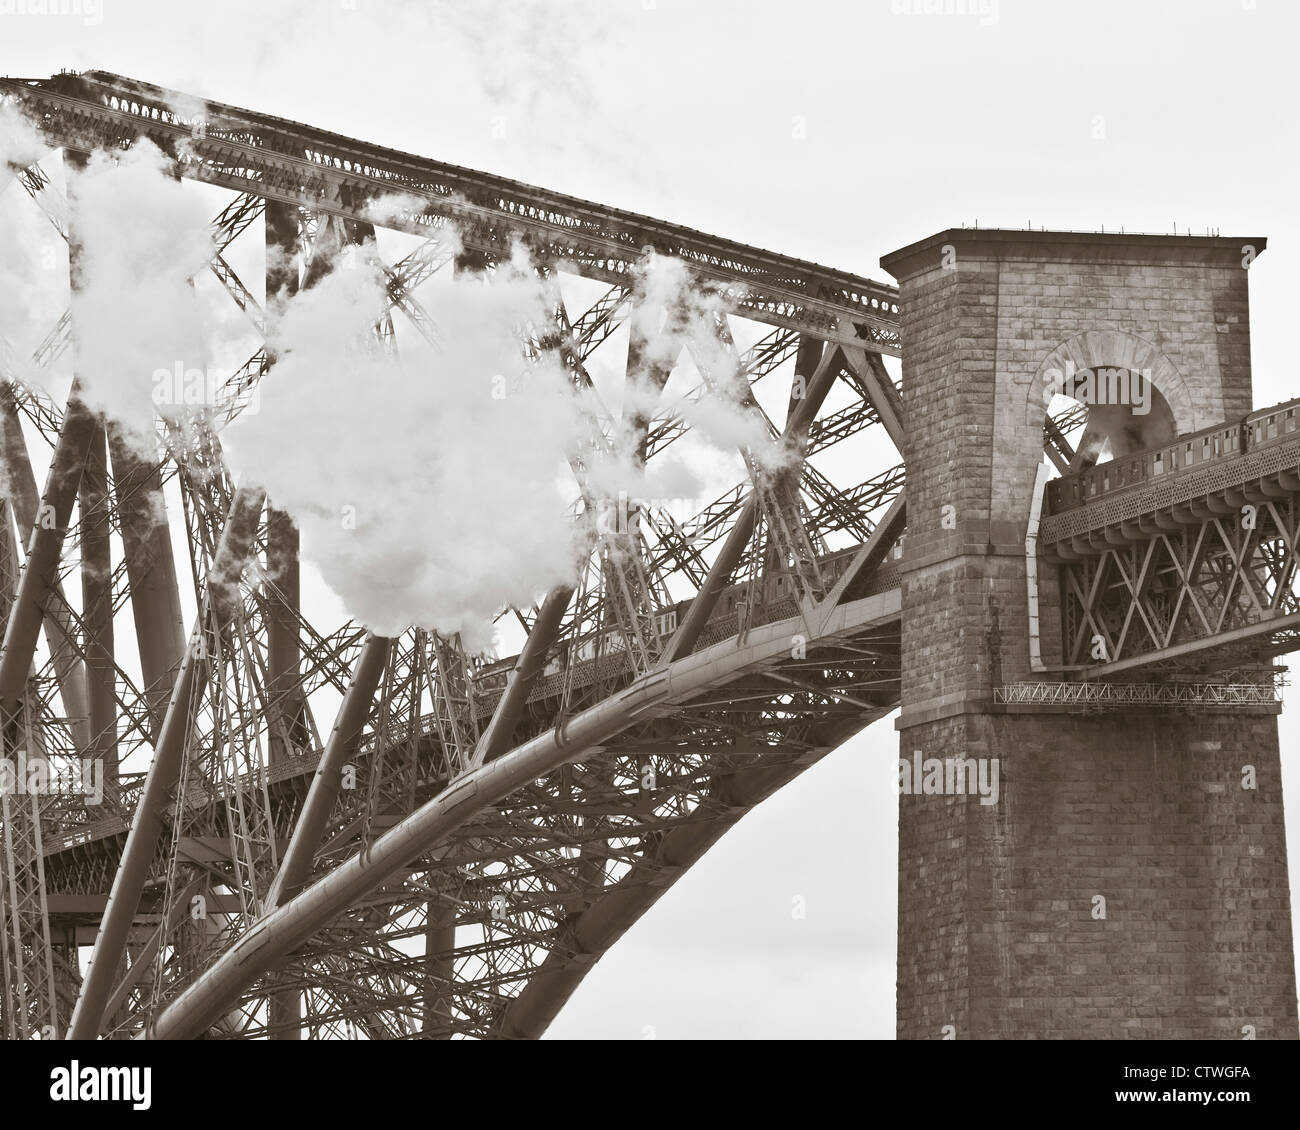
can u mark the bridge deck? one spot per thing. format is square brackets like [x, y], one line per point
[277, 159]
[1146, 500]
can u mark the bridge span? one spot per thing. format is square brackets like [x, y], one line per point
[310, 830]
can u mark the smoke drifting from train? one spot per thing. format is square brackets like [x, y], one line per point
[431, 486]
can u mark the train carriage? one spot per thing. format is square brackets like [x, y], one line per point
[1220, 441]
[1273, 425]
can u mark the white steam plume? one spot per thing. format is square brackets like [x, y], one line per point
[20, 146]
[142, 237]
[717, 416]
[430, 489]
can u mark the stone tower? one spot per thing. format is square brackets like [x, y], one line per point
[1123, 883]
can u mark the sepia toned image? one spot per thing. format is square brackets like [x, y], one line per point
[648, 520]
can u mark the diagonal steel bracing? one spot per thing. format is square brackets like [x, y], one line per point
[471, 834]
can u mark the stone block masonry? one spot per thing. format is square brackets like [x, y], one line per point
[1000, 931]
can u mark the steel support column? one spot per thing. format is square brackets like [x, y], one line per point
[97, 608]
[289, 733]
[24, 499]
[220, 604]
[44, 549]
[295, 867]
[546, 628]
[150, 571]
[439, 963]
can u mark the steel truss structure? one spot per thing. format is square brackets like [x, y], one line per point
[1206, 563]
[451, 848]
[448, 855]
[1100, 696]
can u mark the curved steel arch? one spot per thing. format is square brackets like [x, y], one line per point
[279, 933]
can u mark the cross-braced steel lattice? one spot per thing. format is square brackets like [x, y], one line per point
[449, 853]
[447, 849]
[1171, 580]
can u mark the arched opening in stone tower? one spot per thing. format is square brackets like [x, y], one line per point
[1106, 412]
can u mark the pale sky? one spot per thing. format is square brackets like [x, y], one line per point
[836, 132]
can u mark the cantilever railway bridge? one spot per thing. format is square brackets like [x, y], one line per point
[450, 853]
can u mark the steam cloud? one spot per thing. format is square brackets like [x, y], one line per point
[431, 486]
[19, 147]
[142, 238]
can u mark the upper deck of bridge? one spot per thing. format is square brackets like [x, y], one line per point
[1213, 470]
[278, 159]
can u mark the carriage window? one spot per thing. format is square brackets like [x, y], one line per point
[1105, 481]
[1272, 427]
[1158, 463]
[1290, 419]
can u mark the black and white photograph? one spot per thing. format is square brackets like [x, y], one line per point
[649, 520]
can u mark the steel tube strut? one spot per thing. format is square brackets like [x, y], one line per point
[287, 723]
[884, 397]
[24, 499]
[151, 573]
[287, 728]
[44, 548]
[295, 868]
[97, 607]
[496, 738]
[439, 963]
[220, 602]
[700, 609]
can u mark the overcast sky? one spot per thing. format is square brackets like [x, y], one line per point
[831, 131]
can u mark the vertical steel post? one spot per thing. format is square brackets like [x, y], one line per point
[219, 605]
[97, 608]
[151, 573]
